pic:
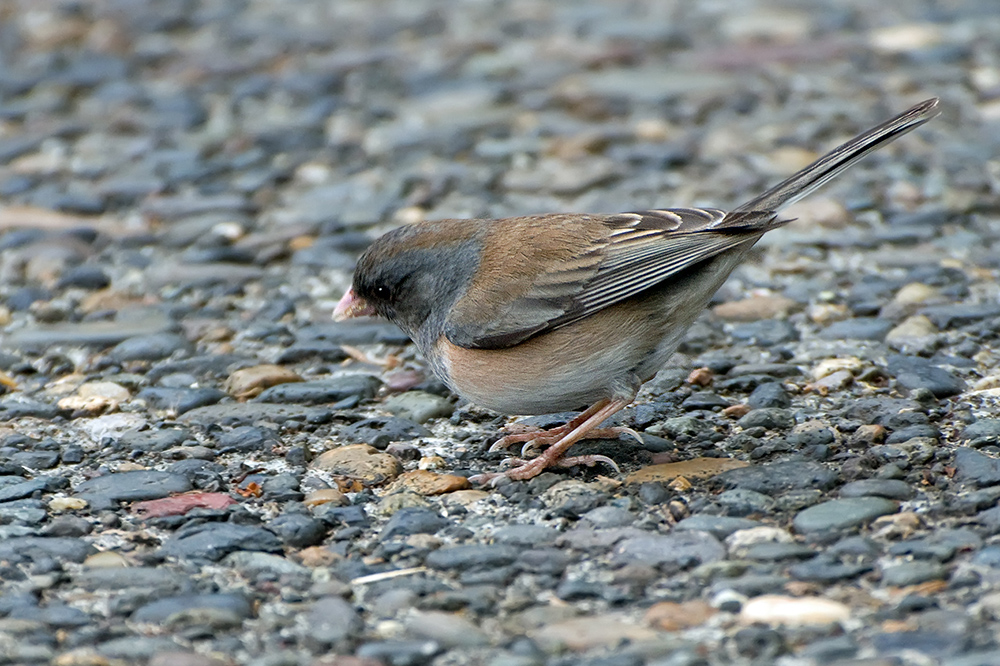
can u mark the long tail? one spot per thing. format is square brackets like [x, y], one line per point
[833, 163]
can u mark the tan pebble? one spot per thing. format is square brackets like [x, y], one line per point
[84, 656]
[904, 37]
[680, 484]
[833, 382]
[424, 482]
[917, 326]
[409, 215]
[359, 461]
[869, 434]
[915, 293]
[898, 525]
[4, 315]
[325, 496]
[700, 377]
[754, 308]
[736, 411]
[986, 383]
[822, 211]
[251, 382]
[586, 633]
[776, 610]
[393, 502]
[827, 313]
[653, 129]
[905, 195]
[431, 462]
[317, 556]
[107, 559]
[790, 158]
[60, 504]
[465, 497]
[831, 365]
[672, 616]
[301, 243]
[755, 535]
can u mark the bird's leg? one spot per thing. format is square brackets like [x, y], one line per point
[537, 437]
[552, 457]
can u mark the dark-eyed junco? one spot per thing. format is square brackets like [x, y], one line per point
[547, 313]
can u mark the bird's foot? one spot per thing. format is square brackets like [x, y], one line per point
[527, 469]
[538, 438]
[559, 441]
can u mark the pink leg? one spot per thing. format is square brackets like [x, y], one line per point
[541, 438]
[552, 457]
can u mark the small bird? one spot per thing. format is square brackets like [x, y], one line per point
[548, 313]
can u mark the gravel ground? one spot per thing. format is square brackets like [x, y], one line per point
[198, 468]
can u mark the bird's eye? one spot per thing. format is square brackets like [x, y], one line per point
[382, 292]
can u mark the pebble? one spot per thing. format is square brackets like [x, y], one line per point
[131, 486]
[793, 611]
[586, 633]
[359, 461]
[841, 514]
[912, 373]
[446, 629]
[418, 406]
[322, 391]
[212, 542]
[775, 478]
[152, 347]
[671, 552]
[974, 467]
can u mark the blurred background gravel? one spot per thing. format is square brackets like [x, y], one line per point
[198, 468]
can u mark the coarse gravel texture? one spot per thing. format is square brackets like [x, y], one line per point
[199, 468]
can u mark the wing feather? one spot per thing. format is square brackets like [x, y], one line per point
[638, 251]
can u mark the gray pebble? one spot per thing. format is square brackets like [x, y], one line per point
[842, 514]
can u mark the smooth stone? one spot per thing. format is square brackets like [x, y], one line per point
[682, 550]
[859, 328]
[213, 541]
[158, 612]
[769, 395]
[330, 622]
[323, 391]
[180, 400]
[356, 332]
[157, 579]
[913, 573]
[914, 372]
[472, 557]
[793, 611]
[775, 478]
[96, 333]
[413, 520]
[447, 629]
[841, 514]
[152, 347]
[888, 488]
[418, 406]
[718, 526]
[248, 413]
[972, 466]
[134, 486]
[765, 333]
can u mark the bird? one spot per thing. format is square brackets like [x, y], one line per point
[549, 313]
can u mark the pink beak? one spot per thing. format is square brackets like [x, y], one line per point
[351, 306]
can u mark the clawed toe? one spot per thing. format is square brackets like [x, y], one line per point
[588, 460]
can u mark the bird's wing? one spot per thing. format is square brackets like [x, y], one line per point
[631, 253]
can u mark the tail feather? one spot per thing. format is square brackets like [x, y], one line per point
[837, 160]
